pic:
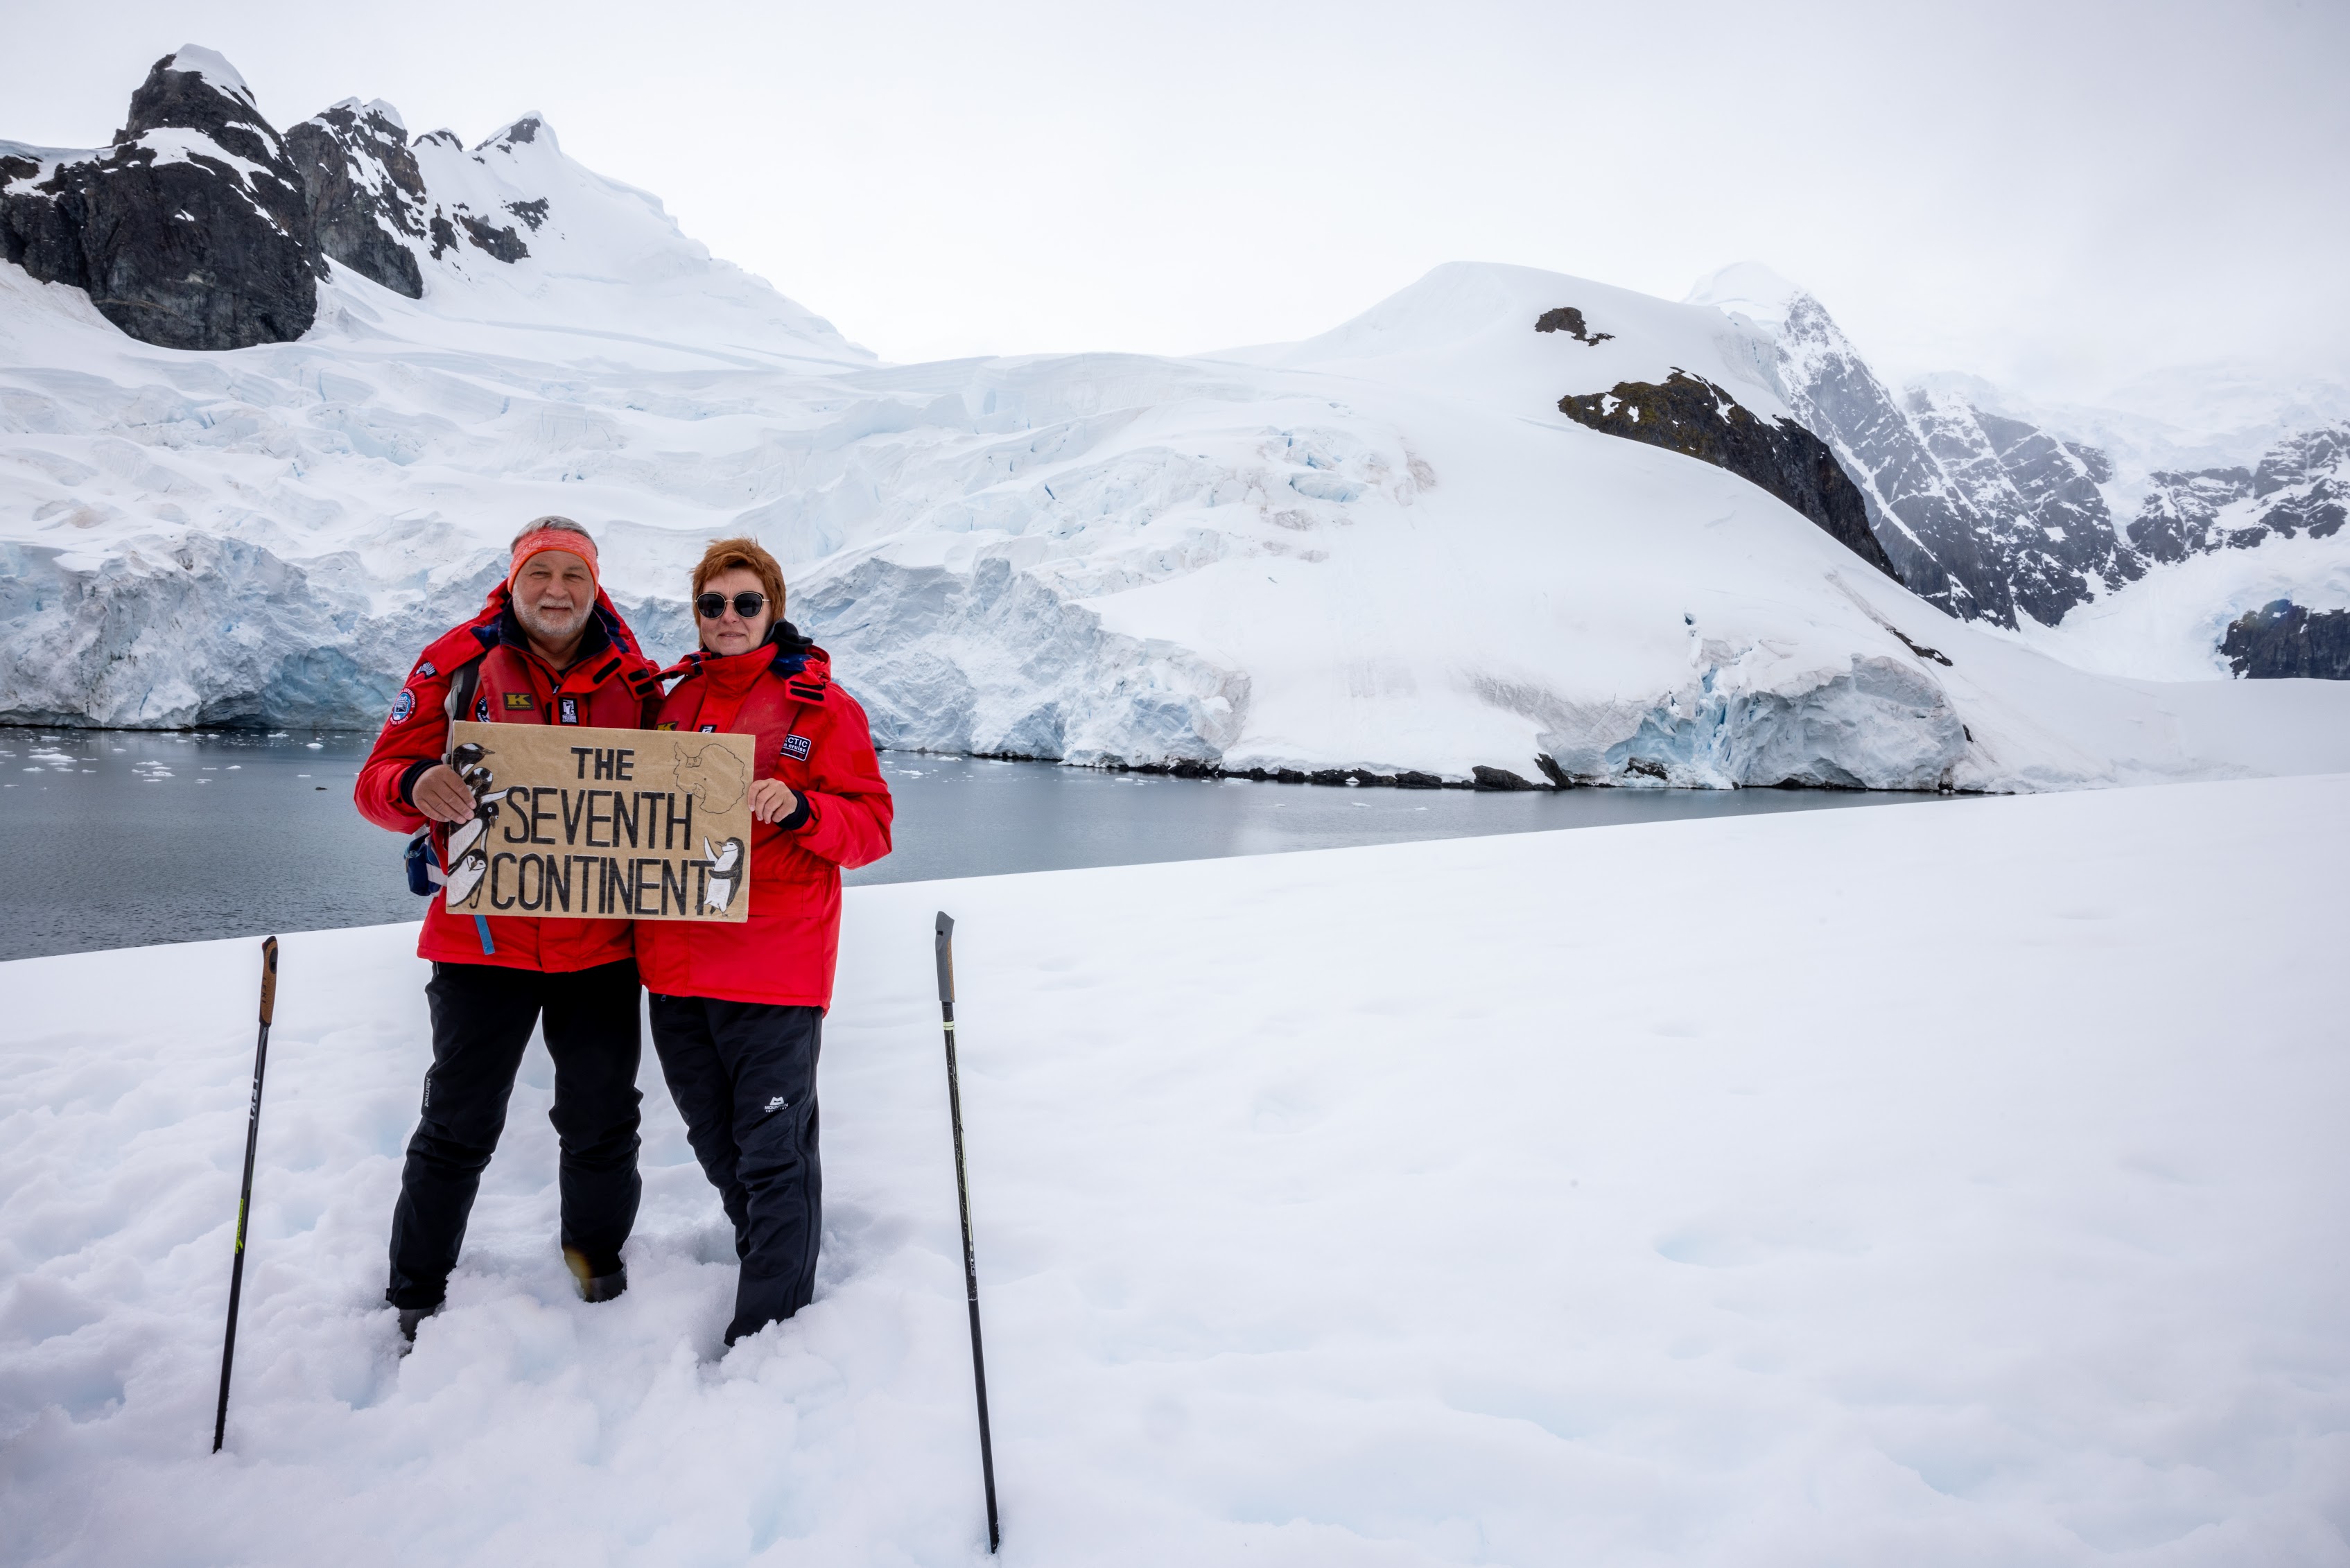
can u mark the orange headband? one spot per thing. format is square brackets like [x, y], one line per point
[541, 539]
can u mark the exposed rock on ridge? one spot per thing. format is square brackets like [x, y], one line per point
[1690, 415]
[192, 230]
[2298, 486]
[1994, 518]
[202, 228]
[2284, 642]
[1567, 318]
[365, 189]
[1983, 516]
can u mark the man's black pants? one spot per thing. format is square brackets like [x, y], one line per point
[743, 1077]
[481, 1018]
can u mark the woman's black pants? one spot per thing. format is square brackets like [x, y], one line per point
[744, 1075]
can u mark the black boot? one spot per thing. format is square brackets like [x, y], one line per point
[409, 1318]
[592, 1286]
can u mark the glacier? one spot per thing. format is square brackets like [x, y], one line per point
[1383, 554]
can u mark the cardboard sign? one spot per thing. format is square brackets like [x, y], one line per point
[578, 823]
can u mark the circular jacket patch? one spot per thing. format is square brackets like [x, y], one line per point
[402, 706]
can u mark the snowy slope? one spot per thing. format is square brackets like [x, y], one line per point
[604, 263]
[1413, 547]
[1955, 1217]
[1385, 550]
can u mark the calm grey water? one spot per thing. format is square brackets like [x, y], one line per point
[119, 839]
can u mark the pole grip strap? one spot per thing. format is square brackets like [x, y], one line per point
[268, 978]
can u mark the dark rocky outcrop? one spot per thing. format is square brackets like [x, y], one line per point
[1690, 415]
[365, 192]
[2284, 642]
[2180, 516]
[201, 228]
[503, 243]
[1567, 318]
[192, 230]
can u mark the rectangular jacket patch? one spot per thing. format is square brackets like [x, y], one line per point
[796, 747]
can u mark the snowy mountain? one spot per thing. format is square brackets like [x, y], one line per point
[1508, 526]
[191, 231]
[201, 227]
[1998, 512]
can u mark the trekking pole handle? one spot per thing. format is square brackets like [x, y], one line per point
[946, 958]
[268, 978]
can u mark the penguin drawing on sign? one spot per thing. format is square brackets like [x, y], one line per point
[469, 858]
[725, 874]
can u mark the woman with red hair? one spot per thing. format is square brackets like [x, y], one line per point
[738, 1009]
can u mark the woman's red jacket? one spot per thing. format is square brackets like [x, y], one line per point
[611, 685]
[812, 735]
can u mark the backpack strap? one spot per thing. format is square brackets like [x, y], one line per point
[463, 680]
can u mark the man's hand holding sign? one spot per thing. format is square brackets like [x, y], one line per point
[585, 824]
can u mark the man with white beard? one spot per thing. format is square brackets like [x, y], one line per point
[546, 649]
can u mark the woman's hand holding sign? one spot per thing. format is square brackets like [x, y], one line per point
[771, 800]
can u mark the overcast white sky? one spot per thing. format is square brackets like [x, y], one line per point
[2058, 197]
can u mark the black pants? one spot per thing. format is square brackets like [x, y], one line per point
[481, 1018]
[744, 1075]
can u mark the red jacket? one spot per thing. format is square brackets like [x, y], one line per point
[815, 738]
[611, 685]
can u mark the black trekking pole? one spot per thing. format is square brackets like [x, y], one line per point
[245, 1198]
[963, 1197]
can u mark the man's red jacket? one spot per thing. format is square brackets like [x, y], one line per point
[814, 737]
[611, 685]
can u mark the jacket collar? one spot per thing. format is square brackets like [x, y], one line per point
[786, 652]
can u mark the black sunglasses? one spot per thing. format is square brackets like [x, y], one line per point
[712, 606]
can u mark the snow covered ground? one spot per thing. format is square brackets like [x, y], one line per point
[1955, 1184]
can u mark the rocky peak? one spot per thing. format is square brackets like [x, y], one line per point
[1990, 517]
[367, 194]
[526, 129]
[201, 227]
[191, 231]
[2300, 458]
[2302, 484]
[195, 89]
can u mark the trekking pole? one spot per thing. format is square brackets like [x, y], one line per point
[245, 1198]
[963, 1197]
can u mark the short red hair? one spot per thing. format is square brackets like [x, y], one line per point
[728, 555]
